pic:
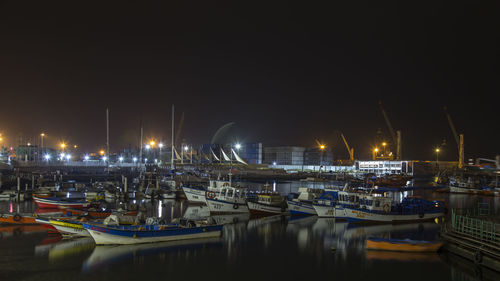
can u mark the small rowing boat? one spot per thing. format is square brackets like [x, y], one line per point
[135, 234]
[97, 214]
[55, 202]
[402, 245]
[15, 218]
[69, 227]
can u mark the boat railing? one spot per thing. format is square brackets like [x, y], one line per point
[468, 223]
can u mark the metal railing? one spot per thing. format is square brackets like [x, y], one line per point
[476, 224]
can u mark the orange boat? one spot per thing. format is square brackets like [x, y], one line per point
[17, 219]
[401, 245]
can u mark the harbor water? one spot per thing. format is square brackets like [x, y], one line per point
[270, 248]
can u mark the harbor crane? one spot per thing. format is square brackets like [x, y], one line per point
[396, 136]
[349, 149]
[459, 139]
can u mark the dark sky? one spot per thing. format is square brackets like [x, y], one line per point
[286, 72]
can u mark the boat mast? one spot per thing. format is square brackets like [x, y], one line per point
[172, 166]
[107, 134]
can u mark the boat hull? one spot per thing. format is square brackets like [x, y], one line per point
[417, 247]
[225, 207]
[69, 228]
[16, 219]
[358, 215]
[301, 209]
[464, 190]
[324, 211]
[194, 195]
[259, 209]
[46, 203]
[109, 236]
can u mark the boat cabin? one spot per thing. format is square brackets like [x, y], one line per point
[308, 194]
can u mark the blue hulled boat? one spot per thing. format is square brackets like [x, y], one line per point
[115, 235]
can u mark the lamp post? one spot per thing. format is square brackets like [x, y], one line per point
[375, 150]
[321, 148]
[437, 157]
[160, 146]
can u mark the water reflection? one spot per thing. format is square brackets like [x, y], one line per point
[65, 249]
[104, 256]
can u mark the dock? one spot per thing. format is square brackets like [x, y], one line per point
[474, 234]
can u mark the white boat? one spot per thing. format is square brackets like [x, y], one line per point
[194, 195]
[326, 203]
[228, 200]
[302, 205]
[267, 203]
[198, 194]
[69, 227]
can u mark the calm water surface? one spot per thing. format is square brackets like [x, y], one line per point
[272, 248]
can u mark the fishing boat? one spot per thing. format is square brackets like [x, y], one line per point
[228, 200]
[267, 203]
[325, 204]
[198, 194]
[362, 207]
[472, 186]
[118, 235]
[302, 204]
[56, 202]
[402, 245]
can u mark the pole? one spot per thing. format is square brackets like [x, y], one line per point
[461, 152]
[140, 146]
[107, 134]
[172, 166]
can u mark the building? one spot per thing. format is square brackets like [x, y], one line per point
[317, 156]
[250, 152]
[385, 167]
[284, 155]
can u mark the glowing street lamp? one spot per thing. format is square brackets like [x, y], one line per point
[148, 146]
[134, 159]
[68, 157]
[437, 156]
[238, 146]
[152, 143]
[104, 158]
[47, 157]
[120, 159]
[86, 158]
[101, 152]
[62, 145]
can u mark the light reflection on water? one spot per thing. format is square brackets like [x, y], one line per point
[296, 248]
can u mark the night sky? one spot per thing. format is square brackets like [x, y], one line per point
[286, 72]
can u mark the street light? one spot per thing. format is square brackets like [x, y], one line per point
[47, 157]
[437, 156]
[160, 145]
[134, 159]
[62, 145]
[238, 146]
[321, 147]
[121, 158]
[86, 158]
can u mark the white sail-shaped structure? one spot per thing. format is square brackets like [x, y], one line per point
[177, 157]
[225, 155]
[215, 156]
[238, 158]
